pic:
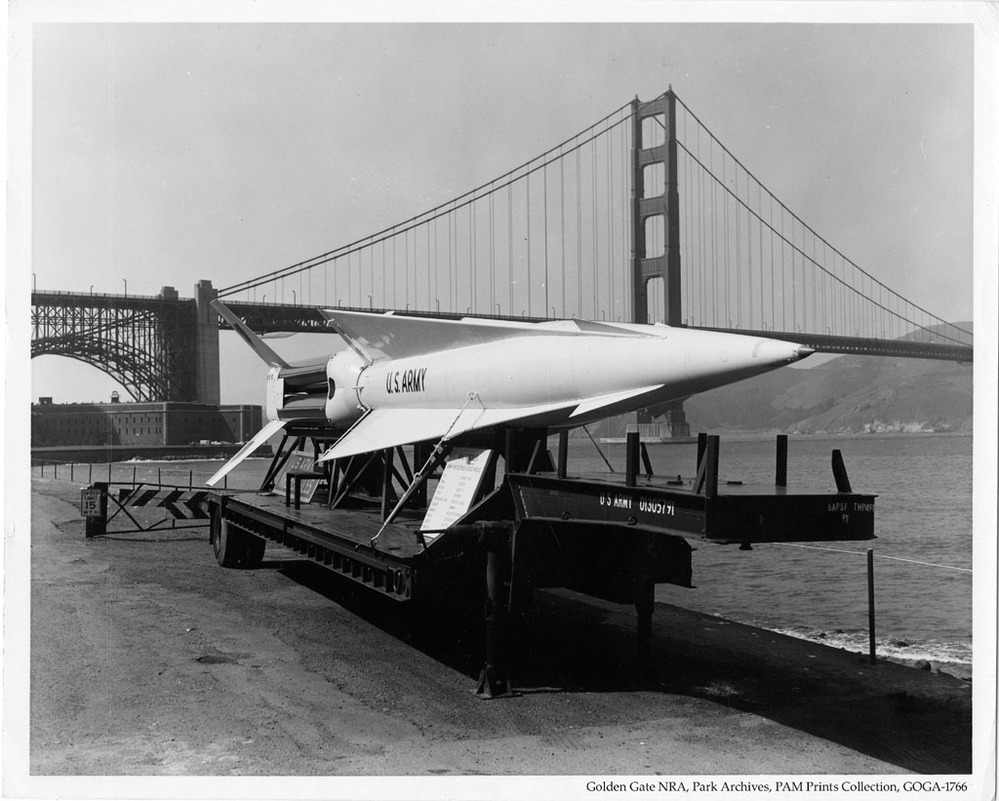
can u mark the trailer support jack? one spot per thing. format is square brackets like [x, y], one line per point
[494, 680]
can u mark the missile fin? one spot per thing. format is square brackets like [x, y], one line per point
[602, 401]
[259, 439]
[378, 337]
[259, 346]
[609, 329]
[387, 428]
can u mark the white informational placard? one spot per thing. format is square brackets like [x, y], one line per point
[299, 462]
[457, 488]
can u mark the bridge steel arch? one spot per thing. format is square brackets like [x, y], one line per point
[157, 348]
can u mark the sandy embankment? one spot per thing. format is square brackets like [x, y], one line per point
[147, 658]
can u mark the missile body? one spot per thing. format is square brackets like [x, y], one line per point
[563, 372]
[408, 379]
[547, 374]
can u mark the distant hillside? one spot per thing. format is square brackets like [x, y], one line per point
[850, 394]
[847, 394]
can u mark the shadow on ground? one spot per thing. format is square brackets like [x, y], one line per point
[572, 643]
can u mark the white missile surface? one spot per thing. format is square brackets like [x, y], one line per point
[409, 379]
[431, 379]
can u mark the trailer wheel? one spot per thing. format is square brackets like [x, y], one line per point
[252, 551]
[235, 547]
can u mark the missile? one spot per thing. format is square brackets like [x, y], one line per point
[405, 379]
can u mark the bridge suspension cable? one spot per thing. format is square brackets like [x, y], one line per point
[531, 242]
[563, 221]
[828, 292]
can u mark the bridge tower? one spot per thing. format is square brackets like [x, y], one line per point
[206, 344]
[654, 165]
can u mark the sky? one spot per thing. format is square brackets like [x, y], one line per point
[164, 153]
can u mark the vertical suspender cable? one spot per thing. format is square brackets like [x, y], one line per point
[561, 208]
[579, 237]
[509, 247]
[452, 259]
[626, 286]
[794, 278]
[528, 240]
[738, 254]
[593, 222]
[492, 252]
[472, 273]
[702, 284]
[728, 244]
[714, 241]
[610, 226]
[544, 173]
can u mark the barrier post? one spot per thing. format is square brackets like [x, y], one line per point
[94, 508]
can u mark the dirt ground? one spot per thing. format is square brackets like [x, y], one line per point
[148, 658]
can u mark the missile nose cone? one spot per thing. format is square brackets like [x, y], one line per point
[803, 350]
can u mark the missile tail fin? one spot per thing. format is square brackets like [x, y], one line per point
[380, 336]
[259, 439]
[603, 403]
[259, 346]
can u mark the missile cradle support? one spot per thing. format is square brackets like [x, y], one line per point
[530, 525]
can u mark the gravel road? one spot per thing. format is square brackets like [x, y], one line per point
[148, 658]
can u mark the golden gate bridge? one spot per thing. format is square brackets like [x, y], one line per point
[643, 216]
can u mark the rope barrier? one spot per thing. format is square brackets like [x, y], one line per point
[878, 555]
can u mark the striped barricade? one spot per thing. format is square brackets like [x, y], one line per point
[183, 504]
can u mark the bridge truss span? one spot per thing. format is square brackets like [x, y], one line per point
[147, 344]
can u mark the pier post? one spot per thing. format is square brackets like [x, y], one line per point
[781, 479]
[707, 466]
[702, 445]
[631, 458]
[839, 472]
[870, 603]
[647, 462]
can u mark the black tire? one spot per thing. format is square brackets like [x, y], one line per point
[235, 547]
[253, 551]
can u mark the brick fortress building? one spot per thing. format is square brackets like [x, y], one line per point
[140, 424]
